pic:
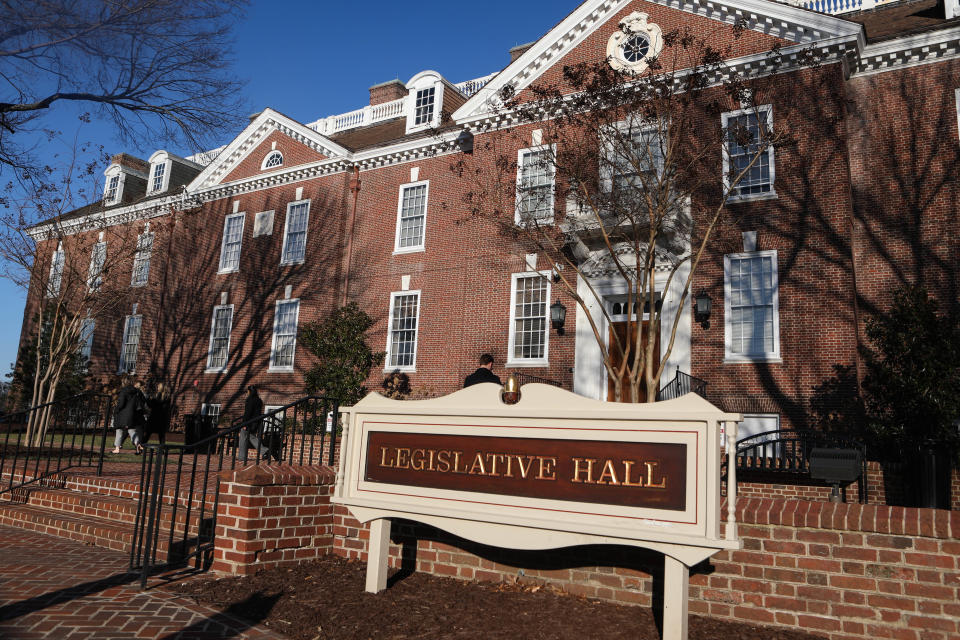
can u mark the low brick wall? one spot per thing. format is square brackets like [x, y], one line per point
[272, 515]
[843, 570]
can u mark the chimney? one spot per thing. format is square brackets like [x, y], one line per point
[387, 92]
[130, 162]
[519, 50]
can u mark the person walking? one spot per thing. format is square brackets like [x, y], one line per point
[251, 434]
[128, 418]
[158, 405]
[484, 373]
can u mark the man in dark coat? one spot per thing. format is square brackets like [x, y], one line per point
[484, 373]
[250, 433]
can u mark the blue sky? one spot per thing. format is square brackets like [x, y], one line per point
[310, 59]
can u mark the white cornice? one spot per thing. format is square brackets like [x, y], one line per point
[146, 210]
[908, 51]
[780, 20]
[264, 124]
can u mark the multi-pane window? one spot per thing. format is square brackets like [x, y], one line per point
[86, 342]
[528, 318]
[402, 335]
[131, 343]
[56, 273]
[641, 153]
[411, 217]
[113, 185]
[747, 134]
[751, 306]
[423, 110]
[232, 239]
[535, 185]
[220, 337]
[98, 257]
[211, 410]
[284, 334]
[159, 171]
[274, 159]
[141, 260]
[295, 235]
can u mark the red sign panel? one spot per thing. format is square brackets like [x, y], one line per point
[632, 474]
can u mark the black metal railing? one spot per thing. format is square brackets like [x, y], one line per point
[53, 437]
[179, 485]
[788, 453]
[682, 384]
[526, 378]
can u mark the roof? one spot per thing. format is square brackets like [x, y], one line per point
[902, 18]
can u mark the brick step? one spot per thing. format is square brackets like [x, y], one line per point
[88, 529]
[121, 511]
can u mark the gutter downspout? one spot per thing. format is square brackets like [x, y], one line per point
[355, 190]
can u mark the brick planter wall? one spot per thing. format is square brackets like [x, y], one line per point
[843, 570]
[272, 515]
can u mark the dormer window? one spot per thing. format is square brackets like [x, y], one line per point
[423, 113]
[424, 102]
[159, 171]
[273, 159]
[112, 192]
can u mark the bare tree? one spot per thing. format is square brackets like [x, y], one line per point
[68, 279]
[155, 68]
[625, 181]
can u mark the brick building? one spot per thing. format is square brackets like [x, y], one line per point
[234, 250]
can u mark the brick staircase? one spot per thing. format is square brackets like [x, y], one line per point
[85, 508]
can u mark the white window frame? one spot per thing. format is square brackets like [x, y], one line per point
[224, 268]
[286, 234]
[426, 200]
[273, 152]
[211, 368]
[416, 332]
[273, 345]
[123, 344]
[424, 81]
[729, 355]
[207, 409]
[527, 152]
[85, 350]
[142, 256]
[759, 110]
[118, 190]
[166, 166]
[95, 270]
[274, 422]
[513, 361]
[55, 279]
[608, 169]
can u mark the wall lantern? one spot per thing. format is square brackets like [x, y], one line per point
[558, 316]
[702, 304]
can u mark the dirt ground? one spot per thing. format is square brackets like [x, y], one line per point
[325, 600]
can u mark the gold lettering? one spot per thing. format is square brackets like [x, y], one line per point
[403, 458]
[383, 458]
[608, 472]
[456, 462]
[577, 471]
[627, 468]
[650, 483]
[443, 461]
[477, 462]
[509, 473]
[430, 459]
[548, 469]
[525, 471]
[416, 462]
[492, 459]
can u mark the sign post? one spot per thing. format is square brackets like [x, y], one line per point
[553, 470]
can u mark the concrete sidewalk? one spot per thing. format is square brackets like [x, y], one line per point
[59, 589]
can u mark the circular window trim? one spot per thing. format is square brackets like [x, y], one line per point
[630, 27]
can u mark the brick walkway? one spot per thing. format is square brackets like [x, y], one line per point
[58, 589]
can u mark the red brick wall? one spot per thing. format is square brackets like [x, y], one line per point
[843, 570]
[272, 516]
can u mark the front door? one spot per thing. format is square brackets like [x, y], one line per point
[620, 329]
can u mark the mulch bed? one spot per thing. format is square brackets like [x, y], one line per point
[325, 600]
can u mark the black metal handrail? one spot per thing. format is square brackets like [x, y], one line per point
[52, 437]
[788, 452]
[682, 384]
[179, 487]
[526, 378]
